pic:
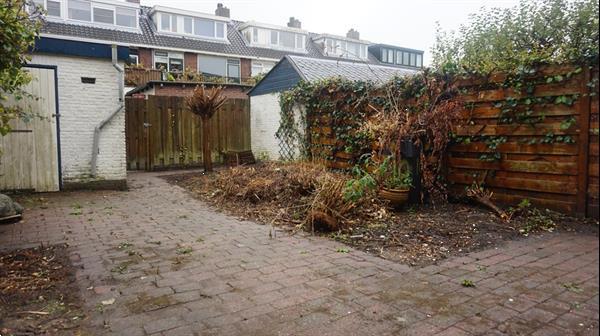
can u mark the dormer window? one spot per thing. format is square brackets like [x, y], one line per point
[341, 47]
[391, 55]
[113, 14]
[275, 37]
[169, 20]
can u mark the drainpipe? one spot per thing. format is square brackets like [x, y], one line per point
[96, 143]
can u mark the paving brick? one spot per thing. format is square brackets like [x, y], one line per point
[238, 281]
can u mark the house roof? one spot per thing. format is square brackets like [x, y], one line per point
[311, 69]
[293, 69]
[236, 44]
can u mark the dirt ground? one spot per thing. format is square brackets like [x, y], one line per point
[415, 235]
[39, 295]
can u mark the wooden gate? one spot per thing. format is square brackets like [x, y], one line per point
[163, 134]
[29, 153]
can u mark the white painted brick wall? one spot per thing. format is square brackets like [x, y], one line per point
[264, 122]
[82, 107]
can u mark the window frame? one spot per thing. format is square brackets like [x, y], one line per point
[170, 55]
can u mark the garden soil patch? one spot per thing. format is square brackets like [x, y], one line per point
[281, 195]
[38, 293]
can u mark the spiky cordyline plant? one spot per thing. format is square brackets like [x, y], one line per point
[204, 103]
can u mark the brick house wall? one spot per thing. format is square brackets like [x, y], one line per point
[245, 68]
[190, 61]
[145, 57]
[82, 107]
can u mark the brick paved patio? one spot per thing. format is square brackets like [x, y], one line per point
[176, 267]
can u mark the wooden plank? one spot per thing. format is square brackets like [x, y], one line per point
[500, 77]
[546, 186]
[584, 146]
[486, 110]
[517, 129]
[563, 203]
[517, 166]
[545, 90]
[513, 147]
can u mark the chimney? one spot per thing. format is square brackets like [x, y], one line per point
[222, 10]
[294, 23]
[353, 34]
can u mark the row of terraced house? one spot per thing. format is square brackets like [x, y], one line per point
[91, 53]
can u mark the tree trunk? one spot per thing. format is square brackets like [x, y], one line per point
[206, 155]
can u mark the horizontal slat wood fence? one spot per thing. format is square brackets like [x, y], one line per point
[161, 133]
[546, 162]
[536, 160]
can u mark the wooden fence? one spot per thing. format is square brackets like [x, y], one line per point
[161, 133]
[552, 161]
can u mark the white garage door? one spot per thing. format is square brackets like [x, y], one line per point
[29, 153]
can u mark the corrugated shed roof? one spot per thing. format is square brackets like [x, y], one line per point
[312, 69]
[236, 44]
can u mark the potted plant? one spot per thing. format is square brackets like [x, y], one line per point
[395, 181]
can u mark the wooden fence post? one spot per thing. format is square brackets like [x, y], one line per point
[584, 143]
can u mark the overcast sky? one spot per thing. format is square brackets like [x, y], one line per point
[404, 23]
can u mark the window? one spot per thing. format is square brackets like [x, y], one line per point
[413, 59]
[288, 40]
[170, 61]
[126, 17]
[187, 25]
[133, 59]
[405, 58]
[419, 60]
[330, 47]
[174, 23]
[299, 41]
[220, 30]
[175, 64]
[233, 70]
[212, 65]
[274, 37]
[165, 22]
[80, 10]
[398, 57]
[102, 15]
[384, 55]
[204, 27]
[161, 60]
[353, 50]
[53, 8]
[390, 53]
[254, 35]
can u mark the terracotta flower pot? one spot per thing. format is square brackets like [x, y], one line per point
[396, 197]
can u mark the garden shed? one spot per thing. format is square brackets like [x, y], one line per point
[264, 97]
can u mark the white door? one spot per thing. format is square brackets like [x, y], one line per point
[29, 153]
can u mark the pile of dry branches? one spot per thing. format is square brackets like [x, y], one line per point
[302, 194]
